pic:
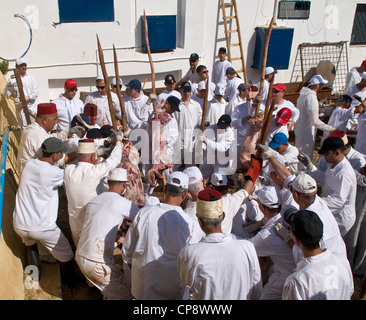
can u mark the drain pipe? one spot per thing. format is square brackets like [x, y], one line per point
[4, 149]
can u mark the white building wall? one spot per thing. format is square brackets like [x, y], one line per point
[69, 50]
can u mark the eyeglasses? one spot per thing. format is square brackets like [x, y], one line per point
[101, 87]
[73, 89]
[206, 71]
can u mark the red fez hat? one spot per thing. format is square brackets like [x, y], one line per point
[209, 195]
[46, 108]
[363, 63]
[71, 83]
[91, 109]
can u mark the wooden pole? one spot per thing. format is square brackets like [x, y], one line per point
[264, 62]
[204, 106]
[119, 93]
[150, 60]
[22, 96]
[269, 97]
[108, 89]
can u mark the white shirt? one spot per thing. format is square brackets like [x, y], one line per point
[137, 112]
[353, 77]
[191, 76]
[31, 141]
[289, 156]
[152, 245]
[265, 90]
[221, 267]
[231, 204]
[219, 71]
[339, 192]
[81, 184]
[360, 145]
[219, 140]
[36, 202]
[325, 276]
[339, 119]
[104, 115]
[104, 215]
[166, 94]
[30, 89]
[231, 107]
[215, 110]
[240, 112]
[211, 90]
[232, 88]
[276, 128]
[352, 91]
[308, 122]
[66, 110]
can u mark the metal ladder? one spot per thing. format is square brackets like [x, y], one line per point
[228, 33]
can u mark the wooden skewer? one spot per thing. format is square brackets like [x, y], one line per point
[119, 93]
[151, 61]
[108, 89]
[264, 63]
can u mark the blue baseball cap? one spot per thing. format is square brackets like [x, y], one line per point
[134, 84]
[277, 140]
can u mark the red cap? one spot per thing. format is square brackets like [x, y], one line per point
[91, 109]
[363, 63]
[70, 83]
[283, 116]
[279, 87]
[46, 108]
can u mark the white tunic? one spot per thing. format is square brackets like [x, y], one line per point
[219, 71]
[30, 89]
[241, 111]
[188, 119]
[325, 276]
[276, 128]
[137, 112]
[31, 141]
[166, 94]
[308, 122]
[191, 76]
[151, 247]
[215, 110]
[104, 115]
[211, 90]
[221, 267]
[81, 183]
[268, 244]
[104, 215]
[232, 88]
[339, 192]
[265, 91]
[170, 135]
[36, 202]
[66, 110]
[289, 156]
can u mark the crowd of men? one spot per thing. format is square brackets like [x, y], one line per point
[238, 219]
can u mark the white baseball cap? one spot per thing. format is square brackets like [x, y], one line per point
[317, 79]
[219, 179]
[114, 81]
[270, 197]
[20, 61]
[201, 85]
[303, 183]
[118, 174]
[220, 89]
[269, 70]
[178, 179]
[194, 174]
